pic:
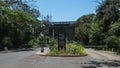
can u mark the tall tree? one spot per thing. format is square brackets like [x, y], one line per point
[108, 12]
[15, 23]
[82, 32]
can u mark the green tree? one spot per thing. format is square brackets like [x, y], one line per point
[108, 12]
[115, 29]
[96, 35]
[82, 32]
[86, 18]
[16, 23]
[113, 38]
[102, 28]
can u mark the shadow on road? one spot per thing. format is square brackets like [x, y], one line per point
[108, 63]
[24, 49]
[18, 50]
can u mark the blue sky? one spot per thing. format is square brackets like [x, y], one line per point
[66, 10]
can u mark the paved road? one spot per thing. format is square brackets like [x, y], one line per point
[28, 59]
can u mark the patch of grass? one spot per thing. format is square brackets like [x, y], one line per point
[72, 49]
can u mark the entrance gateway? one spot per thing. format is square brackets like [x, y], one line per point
[61, 31]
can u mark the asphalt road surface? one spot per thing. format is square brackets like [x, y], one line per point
[28, 59]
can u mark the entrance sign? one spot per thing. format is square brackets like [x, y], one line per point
[61, 41]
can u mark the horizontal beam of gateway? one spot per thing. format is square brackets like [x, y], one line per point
[60, 23]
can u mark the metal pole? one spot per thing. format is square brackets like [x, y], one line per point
[42, 45]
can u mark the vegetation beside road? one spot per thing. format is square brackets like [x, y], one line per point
[101, 28]
[18, 24]
[72, 49]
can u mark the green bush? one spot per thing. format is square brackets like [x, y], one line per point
[113, 41]
[52, 42]
[71, 49]
[7, 42]
[35, 42]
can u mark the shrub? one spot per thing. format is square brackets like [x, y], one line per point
[35, 42]
[71, 49]
[112, 41]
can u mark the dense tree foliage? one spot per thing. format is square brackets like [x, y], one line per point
[102, 28]
[82, 31]
[108, 12]
[17, 21]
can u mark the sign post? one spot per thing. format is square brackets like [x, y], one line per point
[61, 40]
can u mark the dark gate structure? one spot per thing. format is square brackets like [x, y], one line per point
[62, 31]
